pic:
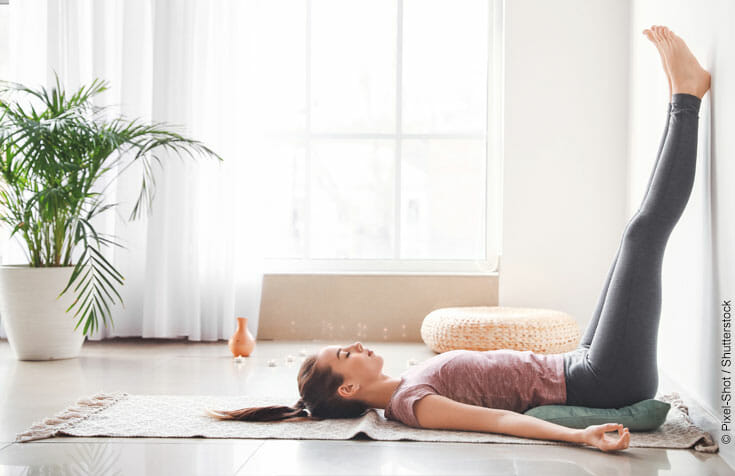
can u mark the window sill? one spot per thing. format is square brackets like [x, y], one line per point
[364, 306]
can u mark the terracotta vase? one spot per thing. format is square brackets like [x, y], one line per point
[242, 341]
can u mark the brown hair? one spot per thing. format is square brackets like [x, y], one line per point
[318, 389]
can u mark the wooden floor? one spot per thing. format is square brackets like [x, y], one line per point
[31, 391]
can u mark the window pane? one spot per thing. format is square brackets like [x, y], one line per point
[445, 66]
[443, 199]
[285, 198]
[353, 55]
[271, 64]
[352, 199]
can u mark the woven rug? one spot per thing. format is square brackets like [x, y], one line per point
[183, 416]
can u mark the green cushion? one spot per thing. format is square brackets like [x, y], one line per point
[646, 415]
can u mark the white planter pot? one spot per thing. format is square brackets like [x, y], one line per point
[34, 319]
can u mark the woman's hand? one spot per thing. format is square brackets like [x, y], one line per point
[594, 435]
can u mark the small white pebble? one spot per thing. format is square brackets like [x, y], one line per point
[239, 359]
[411, 362]
[289, 358]
[303, 352]
[272, 363]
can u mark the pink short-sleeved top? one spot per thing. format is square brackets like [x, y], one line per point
[505, 379]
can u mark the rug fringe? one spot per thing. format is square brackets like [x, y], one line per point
[706, 444]
[83, 409]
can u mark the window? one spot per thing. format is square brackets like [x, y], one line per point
[377, 124]
[391, 162]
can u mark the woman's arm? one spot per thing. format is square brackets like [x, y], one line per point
[436, 411]
[527, 426]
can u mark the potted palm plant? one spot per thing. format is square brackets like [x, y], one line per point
[54, 150]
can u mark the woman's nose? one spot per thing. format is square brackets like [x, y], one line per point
[359, 346]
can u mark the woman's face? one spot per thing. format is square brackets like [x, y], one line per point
[357, 364]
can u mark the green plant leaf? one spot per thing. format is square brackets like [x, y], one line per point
[56, 147]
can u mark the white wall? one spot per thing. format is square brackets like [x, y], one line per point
[4, 38]
[698, 270]
[585, 107]
[566, 126]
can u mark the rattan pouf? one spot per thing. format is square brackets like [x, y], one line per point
[542, 331]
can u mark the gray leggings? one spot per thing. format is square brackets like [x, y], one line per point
[615, 363]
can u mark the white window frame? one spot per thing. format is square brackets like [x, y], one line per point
[493, 181]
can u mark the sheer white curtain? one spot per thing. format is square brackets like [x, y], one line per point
[195, 263]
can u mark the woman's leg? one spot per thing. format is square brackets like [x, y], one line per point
[589, 332]
[620, 367]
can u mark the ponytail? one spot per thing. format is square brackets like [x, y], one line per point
[318, 386]
[270, 413]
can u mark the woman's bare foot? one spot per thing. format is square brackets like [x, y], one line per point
[656, 38]
[687, 75]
